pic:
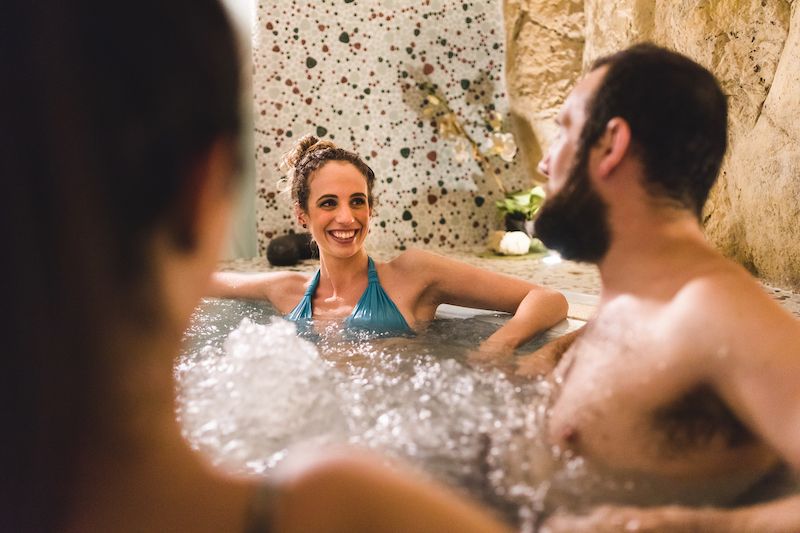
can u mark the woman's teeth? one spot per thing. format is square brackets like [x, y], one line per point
[340, 234]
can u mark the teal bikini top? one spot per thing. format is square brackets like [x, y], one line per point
[374, 312]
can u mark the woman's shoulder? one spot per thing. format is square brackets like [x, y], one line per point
[291, 276]
[414, 258]
[415, 264]
[287, 281]
[286, 287]
[424, 261]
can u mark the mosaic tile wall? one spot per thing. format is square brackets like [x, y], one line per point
[350, 71]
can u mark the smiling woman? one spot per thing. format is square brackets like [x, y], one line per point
[332, 195]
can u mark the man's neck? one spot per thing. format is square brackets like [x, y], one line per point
[651, 247]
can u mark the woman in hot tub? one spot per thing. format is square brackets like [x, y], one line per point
[331, 190]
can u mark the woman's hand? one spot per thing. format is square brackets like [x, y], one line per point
[545, 359]
[492, 352]
[539, 363]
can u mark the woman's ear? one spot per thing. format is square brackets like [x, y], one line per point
[612, 147]
[300, 215]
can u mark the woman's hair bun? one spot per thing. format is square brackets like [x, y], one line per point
[306, 145]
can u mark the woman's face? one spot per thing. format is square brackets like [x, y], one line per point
[338, 209]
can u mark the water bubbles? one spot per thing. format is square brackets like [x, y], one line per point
[249, 392]
[263, 390]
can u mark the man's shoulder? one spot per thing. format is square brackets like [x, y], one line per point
[722, 287]
[724, 302]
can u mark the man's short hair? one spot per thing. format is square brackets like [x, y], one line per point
[678, 117]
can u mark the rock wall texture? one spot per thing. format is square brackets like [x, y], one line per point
[752, 46]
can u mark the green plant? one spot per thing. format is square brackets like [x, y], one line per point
[521, 204]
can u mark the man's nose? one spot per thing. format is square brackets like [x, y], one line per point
[544, 165]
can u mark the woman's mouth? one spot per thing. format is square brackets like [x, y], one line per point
[343, 235]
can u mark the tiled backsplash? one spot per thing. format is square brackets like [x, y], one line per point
[347, 70]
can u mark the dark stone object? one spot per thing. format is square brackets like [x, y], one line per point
[288, 250]
[519, 224]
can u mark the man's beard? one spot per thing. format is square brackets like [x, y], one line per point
[573, 221]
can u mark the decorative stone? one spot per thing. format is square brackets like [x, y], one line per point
[509, 242]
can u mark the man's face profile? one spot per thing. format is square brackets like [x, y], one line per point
[572, 219]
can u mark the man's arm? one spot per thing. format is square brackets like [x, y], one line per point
[755, 368]
[543, 360]
[780, 516]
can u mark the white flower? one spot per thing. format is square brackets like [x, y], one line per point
[449, 126]
[495, 120]
[501, 144]
[462, 150]
[432, 100]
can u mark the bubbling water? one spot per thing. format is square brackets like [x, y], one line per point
[248, 393]
[265, 388]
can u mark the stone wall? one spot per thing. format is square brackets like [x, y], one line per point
[753, 47]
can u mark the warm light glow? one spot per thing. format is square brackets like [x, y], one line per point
[552, 259]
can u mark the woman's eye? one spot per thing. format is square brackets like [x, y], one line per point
[358, 201]
[327, 203]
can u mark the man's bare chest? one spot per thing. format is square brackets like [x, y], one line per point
[628, 401]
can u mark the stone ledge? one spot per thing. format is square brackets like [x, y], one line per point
[579, 282]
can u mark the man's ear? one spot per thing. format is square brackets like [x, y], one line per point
[612, 147]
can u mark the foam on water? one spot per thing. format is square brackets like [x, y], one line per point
[247, 393]
[264, 389]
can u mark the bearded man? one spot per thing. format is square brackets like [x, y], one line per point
[683, 389]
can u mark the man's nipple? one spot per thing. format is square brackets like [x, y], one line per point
[570, 436]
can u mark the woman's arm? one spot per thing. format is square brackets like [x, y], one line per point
[535, 308]
[256, 286]
[541, 308]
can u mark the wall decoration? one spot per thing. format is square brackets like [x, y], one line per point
[393, 80]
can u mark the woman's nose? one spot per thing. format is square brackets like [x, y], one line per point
[344, 215]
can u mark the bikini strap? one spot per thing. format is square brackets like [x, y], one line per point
[372, 272]
[303, 308]
[312, 287]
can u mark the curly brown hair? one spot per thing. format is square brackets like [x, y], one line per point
[311, 154]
